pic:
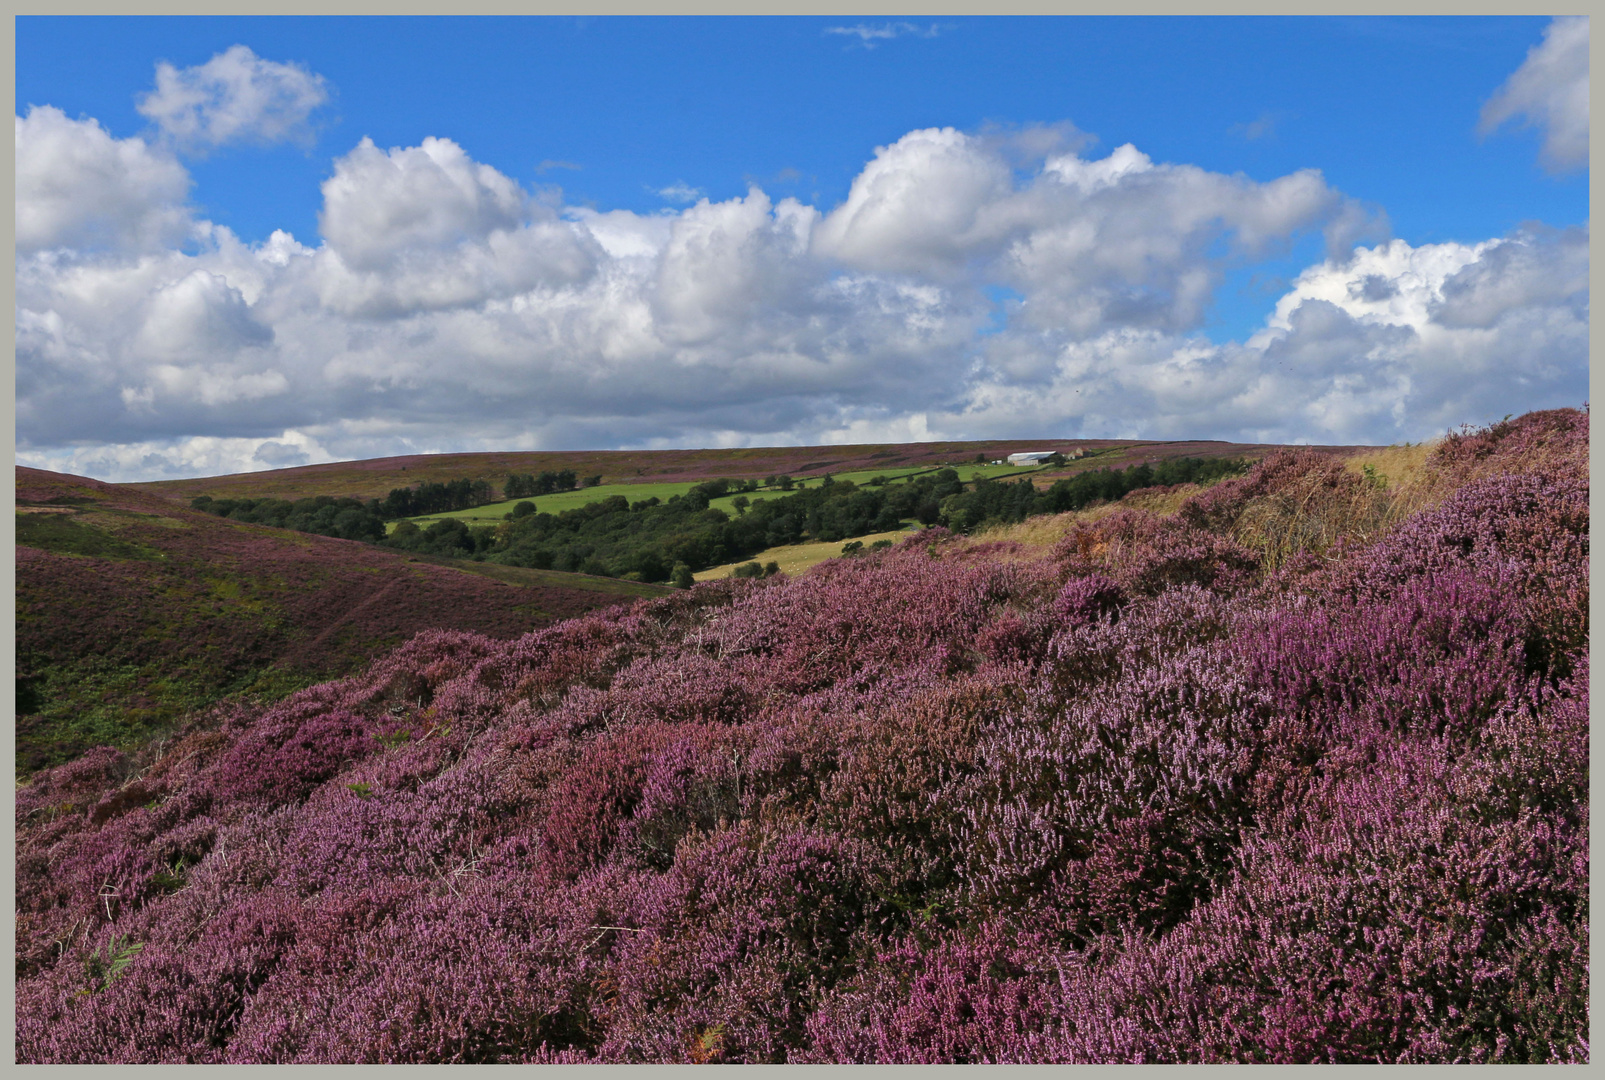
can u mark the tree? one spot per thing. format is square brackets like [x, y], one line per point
[680, 577]
[740, 502]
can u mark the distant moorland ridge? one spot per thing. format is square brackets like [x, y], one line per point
[374, 478]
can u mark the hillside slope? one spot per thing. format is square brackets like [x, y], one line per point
[1278, 776]
[132, 611]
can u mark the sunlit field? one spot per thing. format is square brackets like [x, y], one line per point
[495, 513]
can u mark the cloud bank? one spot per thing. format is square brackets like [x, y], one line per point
[971, 285]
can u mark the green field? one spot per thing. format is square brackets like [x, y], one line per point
[495, 513]
[797, 558]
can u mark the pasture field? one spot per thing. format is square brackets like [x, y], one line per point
[495, 513]
[796, 558]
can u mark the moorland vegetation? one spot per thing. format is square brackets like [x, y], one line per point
[133, 612]
[1293, 772]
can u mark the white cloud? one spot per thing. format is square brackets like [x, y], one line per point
[1394, 343]
[445, 309]
[198, 317]
[427, 227]
[869, 36]
[379, 204]
[1088, 242]
[172, 459]
[1550, 91]
[681, 192]
[927, 203]
[77, 187]
[235, 97]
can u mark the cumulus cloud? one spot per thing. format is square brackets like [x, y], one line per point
[79, 188]
[380, 204]
[1090, 242]
[1550, 91]
[235, 97]
[428, 228]
[964, 288]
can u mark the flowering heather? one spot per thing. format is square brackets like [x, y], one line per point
[1169, 792]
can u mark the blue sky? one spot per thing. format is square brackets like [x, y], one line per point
[610, 114]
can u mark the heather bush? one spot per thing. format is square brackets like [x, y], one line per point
[1276, 778]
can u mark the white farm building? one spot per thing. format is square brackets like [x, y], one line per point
[1032, 457]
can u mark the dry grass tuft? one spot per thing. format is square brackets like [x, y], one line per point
[1405, 472]
[1311, 514]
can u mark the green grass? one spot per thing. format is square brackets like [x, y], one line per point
[521, 575]
[495, 513]
[60, 534]
[72, 707]
[796, 558]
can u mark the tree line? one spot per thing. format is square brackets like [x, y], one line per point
[325, 515]
[528, 485]
[658, 540]
[1003, 502]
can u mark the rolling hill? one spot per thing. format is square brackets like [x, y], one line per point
[133, 611]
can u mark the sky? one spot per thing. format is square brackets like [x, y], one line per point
[250, 243]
